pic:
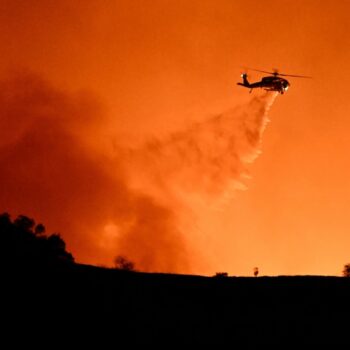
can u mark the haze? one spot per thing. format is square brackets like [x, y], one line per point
[119, 74]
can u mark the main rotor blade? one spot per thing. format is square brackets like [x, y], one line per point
[275, 72]
[295, 76]
[261, 71]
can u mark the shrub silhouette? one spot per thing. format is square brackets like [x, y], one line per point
[346, 270]
[221, 274]
[24, 243]
[122, 263]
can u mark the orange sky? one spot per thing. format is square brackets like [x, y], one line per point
[155, 67]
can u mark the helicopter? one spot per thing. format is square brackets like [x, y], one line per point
[273, 82]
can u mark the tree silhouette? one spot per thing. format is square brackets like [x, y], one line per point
[24, 243]
[122, 263]
[346, 270]
[24, 223]
[39, 229]
[5, 220]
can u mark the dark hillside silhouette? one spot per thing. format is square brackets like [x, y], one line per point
[23, 243]
[149, 308]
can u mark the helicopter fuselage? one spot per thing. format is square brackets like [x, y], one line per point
[269, 83]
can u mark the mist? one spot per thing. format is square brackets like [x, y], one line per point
[210, 156]
[60, 165]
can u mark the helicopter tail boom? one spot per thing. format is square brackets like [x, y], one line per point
[245, 80]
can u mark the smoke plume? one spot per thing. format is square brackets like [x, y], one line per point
[56, 167]
[212, 156]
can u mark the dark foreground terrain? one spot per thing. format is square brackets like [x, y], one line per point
[165, 309]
